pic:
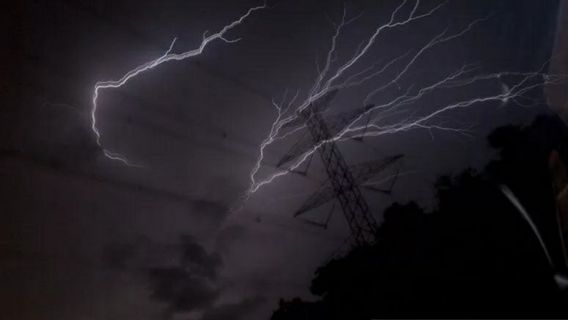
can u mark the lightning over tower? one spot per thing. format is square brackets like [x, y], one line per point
[399, 113]
[359, 218]
[390, 107]
[392, 103]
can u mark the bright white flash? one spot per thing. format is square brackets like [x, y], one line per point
[167, 56]
[376, 120]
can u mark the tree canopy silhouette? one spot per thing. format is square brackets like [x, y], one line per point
[473, 256]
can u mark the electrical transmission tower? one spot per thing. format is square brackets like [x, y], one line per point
[342, 184]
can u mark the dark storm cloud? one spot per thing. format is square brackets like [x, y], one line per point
[181, 289]
[183, 276]
[233, 311]
[216, 210]
[228, 236]
[194, 257]
[191, 282]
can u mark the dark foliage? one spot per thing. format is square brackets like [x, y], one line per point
[474, 256]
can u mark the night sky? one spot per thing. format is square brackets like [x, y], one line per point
[85, 237]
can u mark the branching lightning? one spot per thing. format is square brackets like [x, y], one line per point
[377, 119]
[167, 56]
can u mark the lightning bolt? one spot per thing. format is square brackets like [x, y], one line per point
[166, 57]
[510, 86]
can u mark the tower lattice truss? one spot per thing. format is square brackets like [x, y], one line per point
[345, 183]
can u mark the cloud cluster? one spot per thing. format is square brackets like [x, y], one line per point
[190, 284]
[184, 277]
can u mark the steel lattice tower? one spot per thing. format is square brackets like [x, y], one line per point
[355, 208]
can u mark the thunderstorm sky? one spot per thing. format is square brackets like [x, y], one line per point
[87, 237]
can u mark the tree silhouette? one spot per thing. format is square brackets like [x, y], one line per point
[473, 256]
